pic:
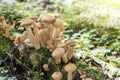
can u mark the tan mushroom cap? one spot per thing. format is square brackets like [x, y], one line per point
[42, 32]
[34, 17]
[22, 37]
[27, 22]
[45, 66]
[57, 75]
[2, 18]
[58, 23]
[67, 42]
[58, 52]
[47, 18]
[72, 44]
[70, 67]
[56, 15]
[25, 33]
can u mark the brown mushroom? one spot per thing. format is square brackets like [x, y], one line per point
[70, 68]
[56, 15]
[46, 67]
[83, 74]
[57, 25]
[2, 21]
[51, 32]
[20, 39]
[57, 41]
[50, 45]
[70, 50]
[43, 33]
[57, 75]
[47, 18]
[40, 25]
[36, 36]
[70, 54]
[57, 54]
[27, 23]
[64, 58]
[34, 17]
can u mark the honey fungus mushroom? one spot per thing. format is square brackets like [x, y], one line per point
[46, 67]
[57, 75]
[27, 23]
[2, 21]
[21, 40]
[57, 54]
[70, 68]
[43, 37]
[47, 18]
[34, 17]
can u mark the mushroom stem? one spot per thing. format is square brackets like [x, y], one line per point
[70, 54]
[70, 76]
[30, 35]
[64, 58]
[49, 44]
[36, 35]
[43, 36]
[56, 33]
[46, 67]
[57, 60]
[68, 51]
[51, 31]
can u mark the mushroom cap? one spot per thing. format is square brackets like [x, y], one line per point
[34, 17]
[27, 22]
[58, 23]
[56, 15]
[42, 32]
[58, 52]
[67, 42]
[72, 44]
[22, 37]
[70, 67]
[2, 18]
[57, 75]
[17, 40]
[25, 33]
[47, 18]
[65, 26]
[45, 66]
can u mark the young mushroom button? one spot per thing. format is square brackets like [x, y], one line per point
[45, 67]
[57, 54]
[57, 75]
[70, 68]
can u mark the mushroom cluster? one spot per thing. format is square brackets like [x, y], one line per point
[47, 31]
[4, 28]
